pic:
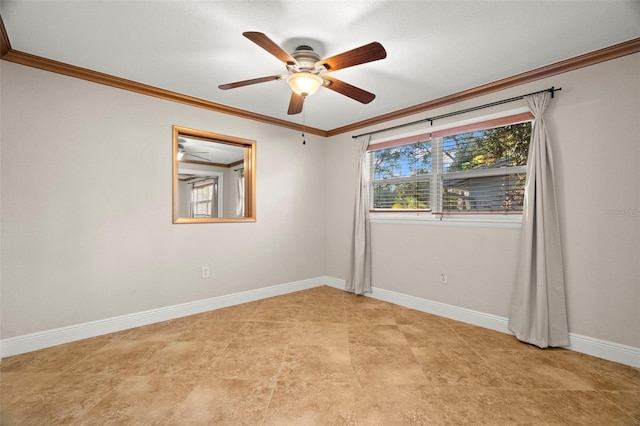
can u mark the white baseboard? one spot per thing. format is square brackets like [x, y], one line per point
[604, 349]
[44, 339]
[616, 352]
[610, 351]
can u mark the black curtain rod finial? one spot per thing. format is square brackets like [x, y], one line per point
[553, 90]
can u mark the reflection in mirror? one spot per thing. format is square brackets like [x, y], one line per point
[213, 177]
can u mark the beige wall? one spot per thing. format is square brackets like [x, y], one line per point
[86, 206]
[65, 262]
[594, 123]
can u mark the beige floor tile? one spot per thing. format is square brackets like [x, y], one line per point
[149, 400]
[388, 364]
[331, 313]
[451, 366]
[274, 312]
[332, 363]
[183, 358]
[627, 401]
[319, 333]
[404, 315]
[315, 357]
[373, 316]
[531, 369]
[572, 407]
[17, 387]
[323, 301]
[61, 400]
[117, 357]
[390, 405]
[209, 330]
[364, 302]
[485, 339]
[258, 332]
[315, 402]
[427, 336]
[225, 402]
[376, 335]
[531, 403]
[246, 361]
[583, 408]
[596, 372]
[470, 405]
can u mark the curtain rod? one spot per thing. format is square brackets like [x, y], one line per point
[204, 179]
[552, 90]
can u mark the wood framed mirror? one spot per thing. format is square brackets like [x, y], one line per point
[214, 177]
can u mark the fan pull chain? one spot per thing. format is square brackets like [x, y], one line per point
[304, 120]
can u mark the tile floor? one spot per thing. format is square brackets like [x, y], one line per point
[315, 357]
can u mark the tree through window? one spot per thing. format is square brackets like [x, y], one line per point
[481, 171]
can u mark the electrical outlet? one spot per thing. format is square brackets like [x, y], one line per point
[443, 278]
[205, 272]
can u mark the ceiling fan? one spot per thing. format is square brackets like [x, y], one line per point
[182, 152]
[308, 71]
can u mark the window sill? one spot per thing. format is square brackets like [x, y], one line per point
[428, 218]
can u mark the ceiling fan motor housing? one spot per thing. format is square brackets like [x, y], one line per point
[306, 58]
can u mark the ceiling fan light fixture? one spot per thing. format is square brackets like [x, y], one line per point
[304, 83]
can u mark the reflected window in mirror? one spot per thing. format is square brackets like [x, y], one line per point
[213, 177]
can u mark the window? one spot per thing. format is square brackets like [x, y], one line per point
[479, 169]
[402, 177]
[204, 197]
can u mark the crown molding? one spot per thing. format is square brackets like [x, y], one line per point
[612, 52]
[34, 61]
[592, 58]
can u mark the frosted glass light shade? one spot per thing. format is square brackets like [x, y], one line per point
[304, 83]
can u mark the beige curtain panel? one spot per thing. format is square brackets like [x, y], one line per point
[359, 276]
[538, 309]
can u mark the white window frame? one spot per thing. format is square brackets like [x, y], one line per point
[499, 220]
[208, 203]
[212, 174]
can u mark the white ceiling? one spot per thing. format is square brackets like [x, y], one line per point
[434, 48]
[199, 150]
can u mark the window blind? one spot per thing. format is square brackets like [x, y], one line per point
[462, 170]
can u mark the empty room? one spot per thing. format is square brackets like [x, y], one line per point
[319, 212]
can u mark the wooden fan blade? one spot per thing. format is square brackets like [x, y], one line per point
[360, 55]
[197, 156]
[267, 44]
[347, 89]
[295, 105]
[249, 82]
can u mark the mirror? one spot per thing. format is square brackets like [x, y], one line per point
[213, 177]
